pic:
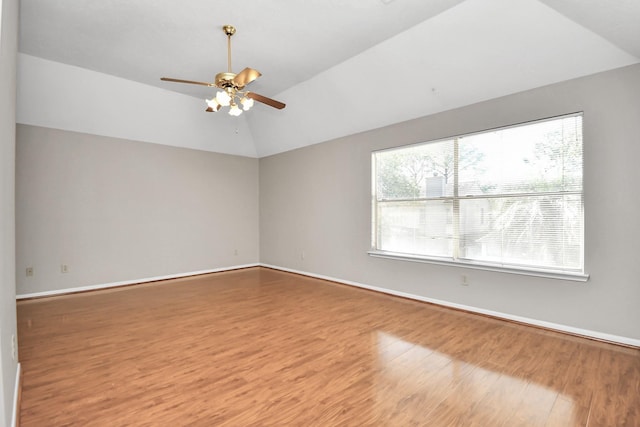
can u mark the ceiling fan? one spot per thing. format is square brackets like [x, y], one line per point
[232, 86]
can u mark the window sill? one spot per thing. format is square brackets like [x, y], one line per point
[550, 274]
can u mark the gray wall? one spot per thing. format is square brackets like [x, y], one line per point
[8, 49]
[317, 201]
[117, 210]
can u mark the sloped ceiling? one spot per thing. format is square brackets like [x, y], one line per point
[617, 21]
[341, 67]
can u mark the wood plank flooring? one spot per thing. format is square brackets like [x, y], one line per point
[259, 347]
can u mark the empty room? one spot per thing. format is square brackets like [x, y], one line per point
[319, 213]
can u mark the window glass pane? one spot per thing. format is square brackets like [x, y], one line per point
[415, 172]
[542, 231]
[539, 157]
[421, 228]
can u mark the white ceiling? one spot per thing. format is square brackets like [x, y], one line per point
[289, 41]
[335, 61]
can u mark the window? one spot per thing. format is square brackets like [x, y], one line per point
[508, 198]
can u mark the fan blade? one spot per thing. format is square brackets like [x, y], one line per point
[167, 79]
[209, 110]
[246, 76]
[271, 102]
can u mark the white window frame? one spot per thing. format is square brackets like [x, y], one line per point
[579, 276]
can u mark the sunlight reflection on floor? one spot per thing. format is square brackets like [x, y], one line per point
[438, 387]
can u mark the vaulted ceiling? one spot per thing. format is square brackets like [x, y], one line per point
[341, 67]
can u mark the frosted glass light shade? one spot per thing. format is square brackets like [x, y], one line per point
[223, 98]
[235, 110]
[213, 104]
[246, 103]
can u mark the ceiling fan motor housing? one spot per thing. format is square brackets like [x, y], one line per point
[225, 80]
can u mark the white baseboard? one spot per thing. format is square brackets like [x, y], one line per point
[129, 282]
[16, 394]
[534, 322]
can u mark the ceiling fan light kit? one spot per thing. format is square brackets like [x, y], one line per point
[231, 85]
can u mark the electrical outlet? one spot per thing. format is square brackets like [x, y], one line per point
[29, 271]
[464, 280]
[14, 348]
[235, 252]
[64, 268]
[302, 255]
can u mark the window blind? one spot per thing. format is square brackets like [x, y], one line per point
[510, 197]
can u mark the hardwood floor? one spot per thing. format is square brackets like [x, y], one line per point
[259, 347]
